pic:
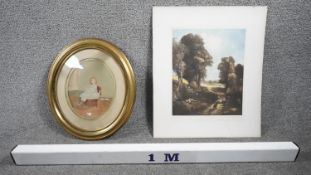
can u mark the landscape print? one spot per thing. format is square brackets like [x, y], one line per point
[208, 71]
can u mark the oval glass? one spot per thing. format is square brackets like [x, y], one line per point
[91, 88]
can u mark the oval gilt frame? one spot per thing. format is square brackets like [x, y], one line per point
[130, 87]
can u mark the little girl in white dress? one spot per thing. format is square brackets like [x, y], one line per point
[91, 92]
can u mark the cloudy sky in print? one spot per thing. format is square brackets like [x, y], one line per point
[219, 43]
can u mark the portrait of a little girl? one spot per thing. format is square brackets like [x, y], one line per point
[92, 92]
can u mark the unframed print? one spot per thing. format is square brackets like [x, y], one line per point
[207, 69]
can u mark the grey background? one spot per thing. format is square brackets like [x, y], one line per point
[33, 32]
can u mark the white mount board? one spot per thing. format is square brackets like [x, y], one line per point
[166, 20]
[57, 154]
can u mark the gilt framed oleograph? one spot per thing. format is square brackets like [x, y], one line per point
[207, 69]
[91, 88]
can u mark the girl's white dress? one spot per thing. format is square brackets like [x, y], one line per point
[90, 93]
